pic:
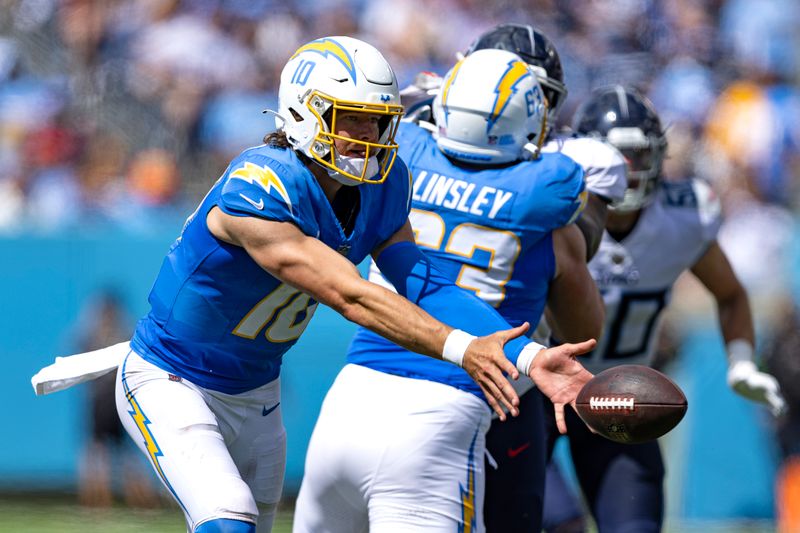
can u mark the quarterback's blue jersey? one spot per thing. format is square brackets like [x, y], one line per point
[217, 318]
[489, 231]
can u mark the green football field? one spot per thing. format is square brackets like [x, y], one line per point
[62, 514]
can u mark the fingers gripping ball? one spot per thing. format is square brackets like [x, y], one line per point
[631, 404]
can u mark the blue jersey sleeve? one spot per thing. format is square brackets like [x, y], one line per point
[560, 191]
[260, 187]
[414, 276]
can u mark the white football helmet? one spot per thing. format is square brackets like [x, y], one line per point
[490, 109]
[332, 75]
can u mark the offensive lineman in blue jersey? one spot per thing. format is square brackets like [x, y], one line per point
[514, 477]
[405, 452]
[515, 485]
[280, 231]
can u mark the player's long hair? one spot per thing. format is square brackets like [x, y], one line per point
[277, 139]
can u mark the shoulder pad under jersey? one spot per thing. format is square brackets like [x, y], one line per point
[259, 186]
[559, 189]
[603, 165]
[695, 197]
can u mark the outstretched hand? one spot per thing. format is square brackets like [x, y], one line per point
[745, 378]
[560, 376]
[486, 363]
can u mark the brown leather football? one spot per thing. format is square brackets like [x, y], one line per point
[631, 404]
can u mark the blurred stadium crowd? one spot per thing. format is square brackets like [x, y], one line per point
[120, 111]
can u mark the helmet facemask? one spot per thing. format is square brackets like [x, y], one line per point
[555, 92]
[378, 158]
[643, 156]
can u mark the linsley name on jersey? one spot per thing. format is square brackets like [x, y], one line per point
[450, 193]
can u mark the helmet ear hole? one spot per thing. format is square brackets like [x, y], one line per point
[295, 115]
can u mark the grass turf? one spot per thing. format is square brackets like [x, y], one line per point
[62, 514]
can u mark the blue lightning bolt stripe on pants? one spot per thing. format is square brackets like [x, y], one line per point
[186, 444]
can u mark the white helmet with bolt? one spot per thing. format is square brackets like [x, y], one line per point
[325, 78]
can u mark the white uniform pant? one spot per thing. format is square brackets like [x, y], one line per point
[219, 455]
[391, 454]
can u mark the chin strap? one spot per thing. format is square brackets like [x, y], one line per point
[354, 166]
[534, 150]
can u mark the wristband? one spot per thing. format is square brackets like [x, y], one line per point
[455, 346]
[739, 350]
[527, 355]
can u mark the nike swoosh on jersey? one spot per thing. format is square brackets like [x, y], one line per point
[513, 452]
[265, 411]
[258, 205]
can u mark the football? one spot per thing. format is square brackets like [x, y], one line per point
[631, 404]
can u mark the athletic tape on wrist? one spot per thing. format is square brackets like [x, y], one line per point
[739, 350]
[527, 355]
[455, 346]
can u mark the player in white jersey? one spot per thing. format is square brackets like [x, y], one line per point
[399, 441]
[656, 232]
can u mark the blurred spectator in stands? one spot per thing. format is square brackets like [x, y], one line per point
[110, 464]
[153, 195]
[756, 122]
[49, 154]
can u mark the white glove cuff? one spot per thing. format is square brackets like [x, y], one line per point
[739, 350]
[527, 355]
[455, 346]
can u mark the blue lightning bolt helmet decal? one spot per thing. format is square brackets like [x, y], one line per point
[451, 78]
[506, 87]
[326, 47]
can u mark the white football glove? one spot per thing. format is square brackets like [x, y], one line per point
[745, 378]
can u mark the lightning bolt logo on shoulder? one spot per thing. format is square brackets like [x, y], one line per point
[326, 47]
[264, 177]
[506, 87]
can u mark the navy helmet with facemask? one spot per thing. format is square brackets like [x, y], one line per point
[626, 119]
[537, 51]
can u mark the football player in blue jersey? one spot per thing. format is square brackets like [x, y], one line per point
[282, 230]
[399, 442]
[623, 484]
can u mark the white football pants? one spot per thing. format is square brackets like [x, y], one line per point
[391, 454]
[219, 455]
